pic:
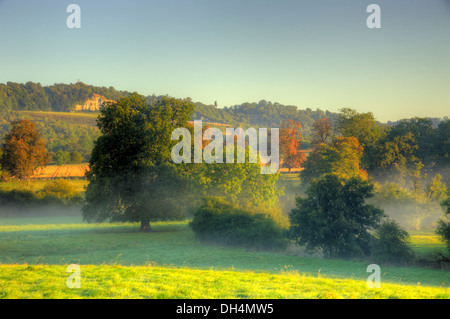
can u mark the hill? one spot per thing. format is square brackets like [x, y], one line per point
[66, 113]
[94, 103]
[82, 97]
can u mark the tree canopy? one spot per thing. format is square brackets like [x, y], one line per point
[23, 149]
[341, 157]
[131, 177]
[363, 127]
[290, 139]
[334, 217]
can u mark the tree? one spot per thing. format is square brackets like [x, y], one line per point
[334, 217]
[290, 138]
[342, 157]
[436, 190]
[443, 228]
[76, 157]
[23, 149]
[442, 142]
[423, 133]
[322, 131]
[364, 127]
[394, 154]
[1, 171]
[416, 177]
[390, 244]
[240, 184]
[131, 176]
[61, 157]
[221, 222]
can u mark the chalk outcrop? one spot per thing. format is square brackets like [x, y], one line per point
[92, 104]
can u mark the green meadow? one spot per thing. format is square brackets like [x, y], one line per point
[118, 261]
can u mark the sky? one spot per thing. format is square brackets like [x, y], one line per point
[308, 53]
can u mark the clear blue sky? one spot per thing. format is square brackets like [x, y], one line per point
[315, 53]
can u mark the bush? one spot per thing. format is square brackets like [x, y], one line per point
[390, 244]
[220, 222]
[61, 191]
[17, 198]
[5, 176]
[17, 201]
[57, 192]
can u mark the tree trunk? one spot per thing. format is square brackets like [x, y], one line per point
[145, 226]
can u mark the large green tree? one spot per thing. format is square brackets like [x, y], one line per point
[424, 135]
[334, 217]
[394, 152]
[23, 149]
[131, 176]
[442, 142]
[61, 157]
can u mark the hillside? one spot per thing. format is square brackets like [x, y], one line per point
[82, 97]
[66, 114]
[94, 103]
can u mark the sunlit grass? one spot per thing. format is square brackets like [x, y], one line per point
[426, 242]
[105, 281]
[172, 245]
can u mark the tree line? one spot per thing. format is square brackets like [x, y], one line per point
[355, 167]
[61, 97]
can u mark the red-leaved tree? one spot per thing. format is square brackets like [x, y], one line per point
[290, 139]
[23, 149]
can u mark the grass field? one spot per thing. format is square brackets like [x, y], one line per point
[62, 171]
[117, 261]
[29, 281]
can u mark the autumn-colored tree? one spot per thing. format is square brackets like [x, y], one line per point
[290, 138]
[342, 158]
[322, 131]
[23, 149]
[364, 127]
